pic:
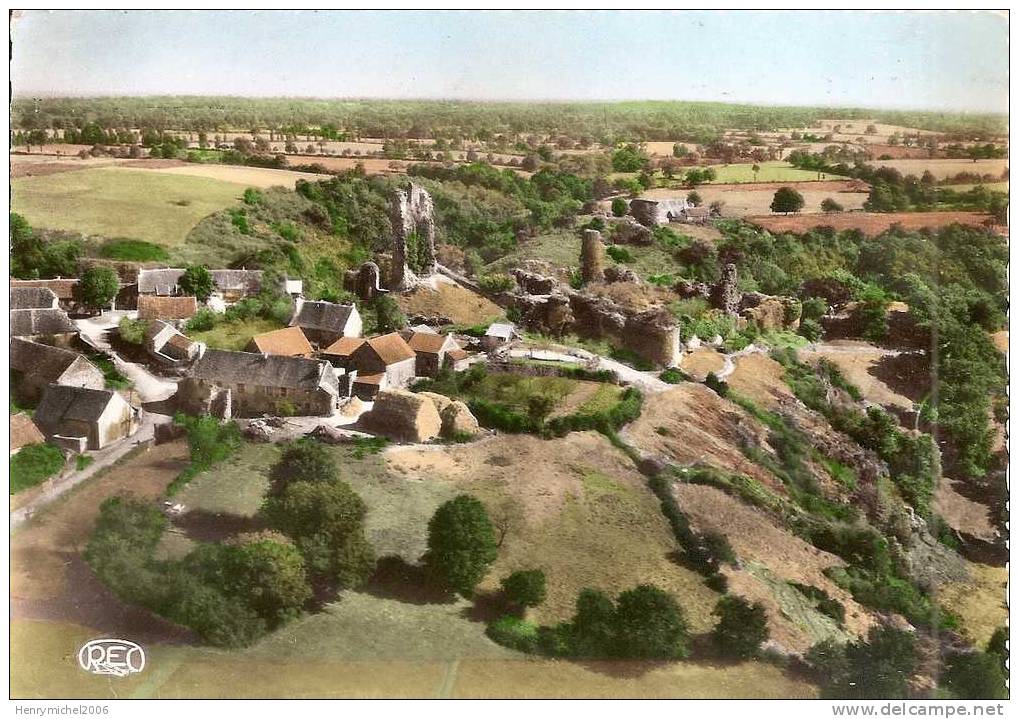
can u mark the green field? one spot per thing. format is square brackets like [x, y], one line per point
[770, 172]
[234, 335]
[119, 202]
[989, 186]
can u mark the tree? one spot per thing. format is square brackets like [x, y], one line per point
[755, 168]
[878, 668]
[326, 522]
[830, 205]
[787, 200]
[594, 624]
[680, 150]
[694, 198]
[461, 544]
[619, 206]
[98, 286]
[742, 627]
[650, 625]
[197, 281]
[525, 588]
[977, 675]
[305, 460]
[388, 315]
[26, 248]
[530, 163]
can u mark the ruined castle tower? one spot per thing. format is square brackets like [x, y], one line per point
[364, 281]
[413, 236]
[592, 256]
[726, 295]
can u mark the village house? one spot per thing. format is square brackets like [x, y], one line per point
[38, 366]
[79, 418]
[51, 326]
[226, 384]
[432, 350]
[24, 432]
[162, 282]
[66, 290]
[166, 308]
[325, 322]
[33, 298]
[289, 342]
[499, 334]
[379, 362]
[235, 285]
[165, 343]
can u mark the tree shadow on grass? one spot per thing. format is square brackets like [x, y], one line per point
[395, 578]
[209, 527]
[489, 606]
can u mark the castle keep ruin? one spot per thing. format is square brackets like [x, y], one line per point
[412, 215]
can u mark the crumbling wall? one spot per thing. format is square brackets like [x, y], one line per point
[726, 295]
[365, 281]
[412, 217]
[645, 212]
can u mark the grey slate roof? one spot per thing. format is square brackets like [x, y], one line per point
[60, 403]
[26, 298]
[264, 370]
[323, 316]
[502, 330]
[158, 282]
[247, 281]
[25, 323]
[41, 362]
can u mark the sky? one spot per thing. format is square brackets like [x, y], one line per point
[924, 60]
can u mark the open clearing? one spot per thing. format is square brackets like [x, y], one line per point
[261, 177]
[234, 335]
[775, 171]
[942, 168]
[870, 223]
[456, 303]
[121, 202]
[750, 198]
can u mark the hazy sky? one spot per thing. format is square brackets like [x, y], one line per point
[918, 60]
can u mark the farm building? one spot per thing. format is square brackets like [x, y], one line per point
[499, 334]
[33, 298]
[50, 325]
[432, 350]
[235, 285]
[657, 212]
[38, 366]
[159, 307]
[380, 362]
[66, 290]
[161, 282]
[227, 383]
[164, 342]
[289, 342]
[24, 432]
[325, 322]
[79, 418]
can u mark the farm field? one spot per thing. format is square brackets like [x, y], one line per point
[755, 199]
[871, 223]
[776, 171]
[989, 186]
[121, 202]
[942, 169]
[261, 177]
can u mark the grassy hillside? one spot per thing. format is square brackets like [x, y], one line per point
[120, 202]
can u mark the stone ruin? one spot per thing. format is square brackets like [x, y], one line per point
[365, 281]
[628, 231]
[412, 215]
[592, 256]
[768, 311]
[645, 212]
[726, 295]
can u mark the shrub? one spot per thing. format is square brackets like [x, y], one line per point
[674, 375]
[305, 460]
[823, 602]
[83, 461]
[197, 281]
[525, 588]
[514, 633]
[878, 668]
[720, 387]
[742, 627]
[619, 254]
[496, 283]
[461, 544]
[619, 206]
[202, 321]
[811, 330]
[978, 675]
[649, 624]
[132, 331]
[209, 442]
[34, 464]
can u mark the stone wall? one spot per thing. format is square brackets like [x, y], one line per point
[412, 214]
[592, 256]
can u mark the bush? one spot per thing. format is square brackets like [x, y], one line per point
[619, 254]
[515, 633]
[811, 329]
[197, 281]
[98, 286]
[461, 544]
[741, 629]
[202, 321]
[673, 375]
[305, 460]
[209, 442]
[649, 624]
[132, 331]
[878, 668]
[496, 283]
[720, 387]
[619, 206]
[525, 588]
[34, 464]
[978, 675]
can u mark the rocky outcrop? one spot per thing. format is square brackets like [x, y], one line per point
[654, 335]
[533, 283]
[592, 256]
[404, 416]
[440, 401]
[631, 232]
[412, 217]
[616, 273]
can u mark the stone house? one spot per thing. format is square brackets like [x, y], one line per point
[431, 349]
[51, 326]
[289, 342]
[80, 418]
[380, 362]
[66, 290]
[33, 298]
[659, 212]
[228, 383]
[38, 366]
[325, 322]
[164, 342]
[235, 285]
[499, 334]
[24, 432]
[166, 308]
[161, 282]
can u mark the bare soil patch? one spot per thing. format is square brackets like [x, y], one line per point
[979, 602]
[449, 300]
[702, 362]
[961, 512]
[760, 378]
[868, 367]
[870, 223]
